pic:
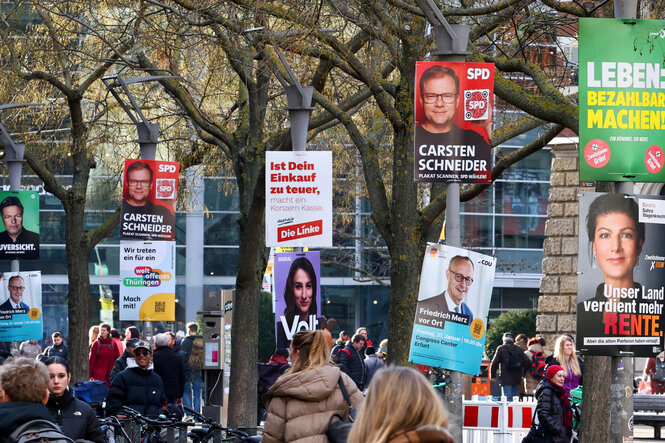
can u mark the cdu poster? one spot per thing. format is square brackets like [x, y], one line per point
[298, 294]
[19, 233]
[621, 99]
[21, 306]
[149, 195]
[147, 291]
[621, 274]
[453, 302]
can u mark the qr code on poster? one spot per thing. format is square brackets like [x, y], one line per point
[160, 306]
[476, 104]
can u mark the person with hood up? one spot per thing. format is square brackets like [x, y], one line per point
[554, 413]
[301, 401]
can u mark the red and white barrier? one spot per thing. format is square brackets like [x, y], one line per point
[496, 421]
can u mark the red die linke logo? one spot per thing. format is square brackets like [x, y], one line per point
[165, 188]
[309, 229]
[597, 153]
[476, 104]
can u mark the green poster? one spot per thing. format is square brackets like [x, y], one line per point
[622, 99]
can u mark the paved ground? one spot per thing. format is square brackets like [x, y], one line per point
[645, 434]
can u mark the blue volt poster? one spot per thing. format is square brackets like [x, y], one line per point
[453, 301]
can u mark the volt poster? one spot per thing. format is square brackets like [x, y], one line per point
[298, 294]
[149, 196]
[147, 291]
[621, 274]
[621, 99]
[21, 306]
[19, 233]
[299, 198]
[453, 302]
[453, 109]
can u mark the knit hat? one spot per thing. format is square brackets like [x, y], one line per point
[552, 370]
[533, 341]
[508, 336]
[282, 351]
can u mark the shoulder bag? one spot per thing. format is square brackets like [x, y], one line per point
[339, 427]
[537, 433]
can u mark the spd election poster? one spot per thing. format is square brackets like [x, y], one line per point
[21, 306]
[299, 198]
[149, 195]
[19, 233]
[147, 291]
[453, 302]
[298, 294]
[621, 274]
[621, 99]
[453, 109]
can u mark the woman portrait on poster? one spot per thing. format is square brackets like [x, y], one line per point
[300, 297]
[616, 238]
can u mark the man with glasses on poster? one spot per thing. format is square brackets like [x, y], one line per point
[140, 217]
[460, 279]
[16, 241]
[438, 137]
[16, 286]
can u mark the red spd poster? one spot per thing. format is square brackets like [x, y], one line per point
[453, 108]
[149, 195]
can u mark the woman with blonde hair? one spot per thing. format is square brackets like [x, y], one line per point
[564, 356]
[401, 407]
[93, 333]
[301, 401]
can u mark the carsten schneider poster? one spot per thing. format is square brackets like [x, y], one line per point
[453, 302]
[21, 306]
[621, 274]
[621, 99]
[453, 110]
[147, 291]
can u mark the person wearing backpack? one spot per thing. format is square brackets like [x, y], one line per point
[654, 372]
[351, 360]
[22, 398]
[192, 346]
[103, 354]
[535, 372]
[510, 361]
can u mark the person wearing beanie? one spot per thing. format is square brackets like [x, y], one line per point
[511, 362]
[554, 413]
[536, 370]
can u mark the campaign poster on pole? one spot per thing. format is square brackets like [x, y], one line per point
[621, 99]
[453, 302]
[19, 233]
[453, 110]
[621, 280]
[298, 294]
[299, 198]
[149, 196]
[21, 306]
[147, 291]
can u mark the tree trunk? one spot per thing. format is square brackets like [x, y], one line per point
[78, 297]
[251, 266]
[596, 400]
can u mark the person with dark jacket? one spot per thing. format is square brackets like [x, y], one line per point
[24, 391]
[137, 387]
[511, 361]
[76, 419]
[168, 365]
[268, 375]
[58, 348]
[372, 364]
[121, 363]
[351, 360]
[554, 413]
[194, 383]
[339, 344]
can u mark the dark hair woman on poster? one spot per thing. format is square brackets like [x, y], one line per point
[616, 237]
[299, 296]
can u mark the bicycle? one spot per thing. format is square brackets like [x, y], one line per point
[149, 430]
[207, 434]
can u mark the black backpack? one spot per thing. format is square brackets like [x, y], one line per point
[38, 430]
[514, 359]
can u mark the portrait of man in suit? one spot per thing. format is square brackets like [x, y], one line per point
[460, 278]
[16, 287]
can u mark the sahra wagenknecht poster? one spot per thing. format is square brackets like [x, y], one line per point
[621, 99]
[21, 306]
[453, 301]
[147, 290]
[621, 263]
